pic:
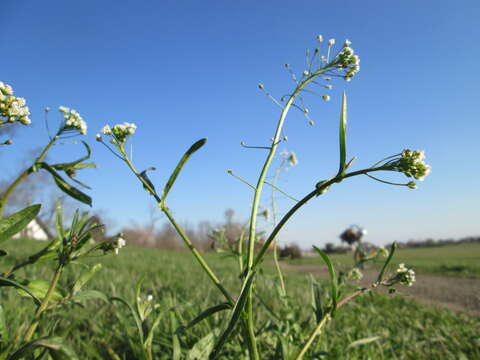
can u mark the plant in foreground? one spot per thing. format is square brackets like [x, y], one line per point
[71, 244]
[319, 71]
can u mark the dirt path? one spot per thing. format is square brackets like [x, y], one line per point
[455, 293]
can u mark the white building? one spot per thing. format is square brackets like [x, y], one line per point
[36, 229]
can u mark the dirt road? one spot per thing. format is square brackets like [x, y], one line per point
[455, 293]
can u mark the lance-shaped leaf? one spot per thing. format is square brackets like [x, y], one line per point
[203, 347]
[14, 223]
[333, 279]
[317, 305]
[66, 187]
[55, 345]
[3, 325]
[9, 282]
[40, 288]
[134, 313]
[74, 164]
[342, 136]
[85, 277]
[205, 314]
[235, 316]
[180, 165]
[90, 294]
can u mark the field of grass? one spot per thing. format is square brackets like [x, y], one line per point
[462, 260]
[397, 328]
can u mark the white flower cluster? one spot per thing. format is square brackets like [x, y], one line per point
[348, 61]
[11, 107]
[119, 243]
[119, 131]
[382, 251]
[412, 164]
[405, 276]
[73, 120]
[355, 274]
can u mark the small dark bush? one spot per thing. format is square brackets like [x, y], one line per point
[291, 251]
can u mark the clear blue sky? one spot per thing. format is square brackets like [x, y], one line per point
[182, 70]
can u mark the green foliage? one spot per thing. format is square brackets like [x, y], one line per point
[15, 223]
[175, 327]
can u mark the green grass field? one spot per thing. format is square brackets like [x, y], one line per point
[400, 328]
[461, 260]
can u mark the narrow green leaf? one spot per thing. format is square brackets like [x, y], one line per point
[14, 223]
[333, 279]
[75, 164]
[66, 187]
[59, 220]
[39, 288]
[235, 316]
[156, 322]
[177, 351]
[9, 282]
[134, 314]
[85, 277]
[3, 325]
[363, 341]
[316, 298]
[196, 146]
[56, 347]
[205, 314]
[203, 347]
[90, 294]
[343, 135]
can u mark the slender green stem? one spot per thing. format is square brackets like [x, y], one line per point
[258, 194]
[6, 195]
[312, 337]
[198, 256]
[240, 250]
[44, 305]
[180, 231]
[275, 243]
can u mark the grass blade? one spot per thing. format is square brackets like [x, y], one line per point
[134, 314]
[333, 279]
[57, 349]
[363, 341]
[205, 314]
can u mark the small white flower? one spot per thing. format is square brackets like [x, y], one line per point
[305, 73]
[106, 130]
[326, 97]
[149, 297]
[347, 43]
[98, 137]
[331, 42]
[382, 251]
[320, 38]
